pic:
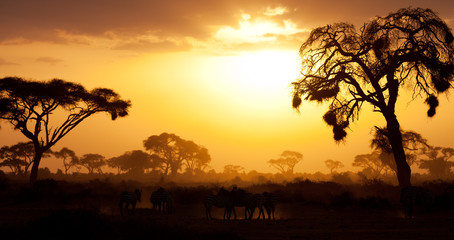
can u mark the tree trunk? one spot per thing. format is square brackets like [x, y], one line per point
[395, 139]
[36, 160]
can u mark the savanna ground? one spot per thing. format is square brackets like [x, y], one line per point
[306, 210]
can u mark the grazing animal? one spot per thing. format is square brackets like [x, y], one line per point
[162, 200]
[411, 197]
[221, 200]
[239, 198]
[253, 201]
[128, 198]
[269, 203]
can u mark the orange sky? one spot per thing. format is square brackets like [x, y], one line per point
[215, 72]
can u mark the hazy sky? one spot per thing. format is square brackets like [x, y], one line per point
[215, 72]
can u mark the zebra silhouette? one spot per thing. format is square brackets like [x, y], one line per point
[240, 198]
[253, 201]
[127, 198]
[162, 200]
[269, 203]
[411, 197]
[221, 200]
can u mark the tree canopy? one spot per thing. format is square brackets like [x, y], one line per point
[373, 164]
[411, 47]
[93, 162]
[333, 165]
[69, 158]
[17, 157]
[134, 162]
[28, 106]
[437, 160]
[287, 161]
[173, 153]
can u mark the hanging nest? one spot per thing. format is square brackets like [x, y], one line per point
[432, 101]
[339, 133]
[330, 118]
[296, 101]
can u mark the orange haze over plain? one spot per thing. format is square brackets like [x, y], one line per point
[215, 72]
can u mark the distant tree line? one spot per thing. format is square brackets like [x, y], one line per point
[170, 155]
[167, 154]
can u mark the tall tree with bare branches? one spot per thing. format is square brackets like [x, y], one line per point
[347, 68]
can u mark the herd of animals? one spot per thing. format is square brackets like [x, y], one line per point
[161, 199]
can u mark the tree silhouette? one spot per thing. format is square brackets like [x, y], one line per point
[437, 162]
[69, 158]
[166, 147]
[28, 106]
[173, 152]
[411, 47]
[195, 157]
[332, 165]
[134, 162]
[371, 164]
[93, 162]
[17, 157]
[412, 142]
[232, 170]
[286, 163]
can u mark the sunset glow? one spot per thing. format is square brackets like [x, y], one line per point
[216, 72]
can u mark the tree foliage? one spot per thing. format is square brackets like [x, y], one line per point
[29, 106]
[411, 47]
[93, 162]
[69, 157]
[195, 157]
[134, 162]
[232, 170]
[287, 161]
[333, 165]
[372, 164]
[437, 160]
[173, 152]
[18, 157]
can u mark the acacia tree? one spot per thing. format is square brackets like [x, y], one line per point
[69, 158]
[371, 164]
[411, 47]
[333, 165]
[195, 157]
[437, 161]
[286, 163]
[173, 152]
[18, 157]
[232, 170]
[165, 147]
[29, 106]
[134, 162]
[93, 162]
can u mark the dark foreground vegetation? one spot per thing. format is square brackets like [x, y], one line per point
[51, 209]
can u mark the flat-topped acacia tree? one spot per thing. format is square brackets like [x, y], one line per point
[29, 106]
[411, 47]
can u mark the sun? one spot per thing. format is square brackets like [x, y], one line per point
[265, 74]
